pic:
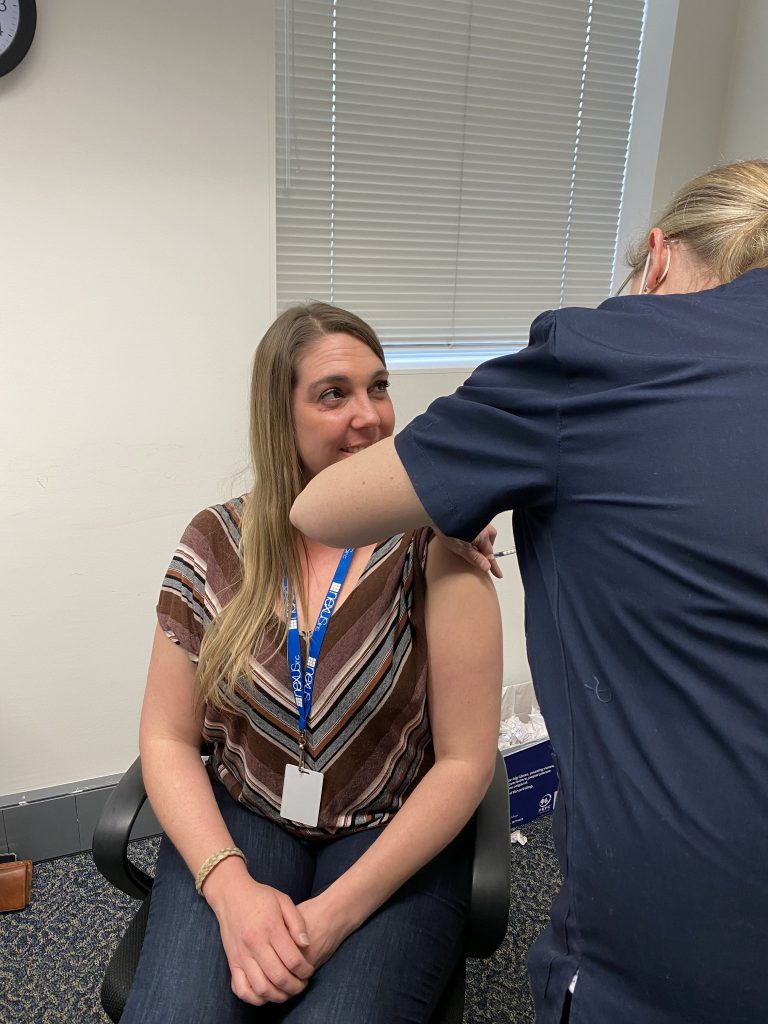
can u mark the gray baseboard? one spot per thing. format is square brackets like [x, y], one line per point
[60, 820]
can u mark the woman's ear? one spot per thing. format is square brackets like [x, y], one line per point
[659, 254]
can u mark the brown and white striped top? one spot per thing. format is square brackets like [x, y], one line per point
[368, 731]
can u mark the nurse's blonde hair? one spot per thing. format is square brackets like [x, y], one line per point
[722, 217]
[268, 545]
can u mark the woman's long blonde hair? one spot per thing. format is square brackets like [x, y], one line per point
[268, 547]
[722, 217]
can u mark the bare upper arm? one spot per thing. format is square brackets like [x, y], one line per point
[360, 500]
[465, 657]
[168, 711]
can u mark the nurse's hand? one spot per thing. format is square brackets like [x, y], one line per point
[478, 552]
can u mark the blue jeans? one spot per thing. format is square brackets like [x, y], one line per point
[393, 968]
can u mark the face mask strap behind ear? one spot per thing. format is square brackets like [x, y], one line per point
[644, 289]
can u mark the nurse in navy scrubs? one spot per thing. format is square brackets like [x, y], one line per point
[631, 441]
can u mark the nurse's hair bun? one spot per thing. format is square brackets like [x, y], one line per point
[722, 216]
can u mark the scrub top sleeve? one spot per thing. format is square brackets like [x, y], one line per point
[493, 445]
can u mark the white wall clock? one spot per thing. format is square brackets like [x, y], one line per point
[18, 19]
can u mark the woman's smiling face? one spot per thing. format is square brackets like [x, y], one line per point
[340, 401]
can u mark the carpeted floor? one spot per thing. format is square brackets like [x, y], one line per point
[53, 953]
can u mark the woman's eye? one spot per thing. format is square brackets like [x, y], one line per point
[331, 395]
[381, 386]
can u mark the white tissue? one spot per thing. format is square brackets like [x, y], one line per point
[513, 731]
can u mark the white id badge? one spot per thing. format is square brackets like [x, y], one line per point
[301, 795]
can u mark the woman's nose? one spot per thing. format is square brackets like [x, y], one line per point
[365, 413]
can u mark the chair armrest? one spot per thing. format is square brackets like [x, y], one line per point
[110, 838]
[489, 905]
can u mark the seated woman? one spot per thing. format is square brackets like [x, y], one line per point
[319, 867]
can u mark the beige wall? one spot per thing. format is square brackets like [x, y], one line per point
[699, 81]
[715, 109]
[744, 128]
[137, 226]
[137, 222]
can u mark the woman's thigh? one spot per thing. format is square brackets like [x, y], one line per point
[183, 975]
[396, 965]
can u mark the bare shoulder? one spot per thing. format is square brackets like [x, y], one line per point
[442, 563]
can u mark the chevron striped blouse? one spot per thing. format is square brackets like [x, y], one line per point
[368, 731]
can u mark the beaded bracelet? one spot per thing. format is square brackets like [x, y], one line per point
[209, 864]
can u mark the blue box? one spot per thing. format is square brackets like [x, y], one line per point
[533, 781]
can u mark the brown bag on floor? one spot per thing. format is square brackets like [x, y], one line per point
[15, 884]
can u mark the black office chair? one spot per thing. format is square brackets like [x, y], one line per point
[489, 908]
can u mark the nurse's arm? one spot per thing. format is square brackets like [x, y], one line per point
[360, 500]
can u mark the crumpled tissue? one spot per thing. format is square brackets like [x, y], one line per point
[514, 731]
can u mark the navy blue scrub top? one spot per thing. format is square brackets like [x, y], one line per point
[632, 442]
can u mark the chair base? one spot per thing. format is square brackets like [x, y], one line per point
[122, 967]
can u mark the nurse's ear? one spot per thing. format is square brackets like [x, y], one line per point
[659, 260]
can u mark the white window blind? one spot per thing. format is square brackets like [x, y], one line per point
[448, 169]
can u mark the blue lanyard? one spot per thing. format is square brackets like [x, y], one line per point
[302, 690]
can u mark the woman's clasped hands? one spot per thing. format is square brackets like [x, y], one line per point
[263, 933]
